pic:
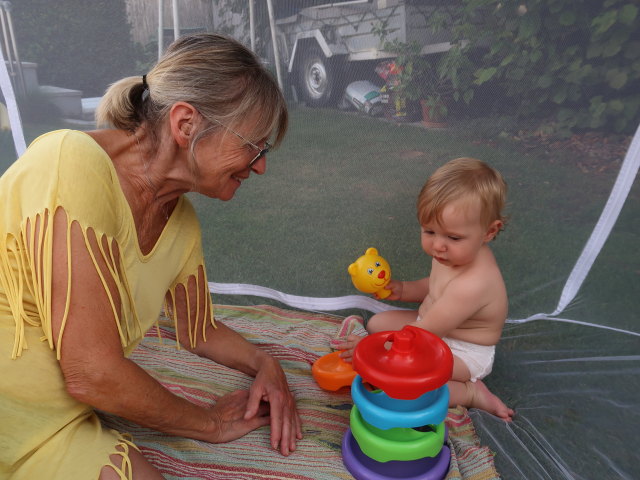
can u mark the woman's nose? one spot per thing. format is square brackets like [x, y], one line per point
[260, 166]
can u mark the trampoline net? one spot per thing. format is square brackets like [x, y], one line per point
[554, 108]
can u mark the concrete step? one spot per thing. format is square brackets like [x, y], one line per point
[68, 101]
[72, 106]
[89, 106]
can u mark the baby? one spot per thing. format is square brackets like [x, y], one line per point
[464, 300]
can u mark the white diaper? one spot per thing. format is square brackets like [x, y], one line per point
[477, 358]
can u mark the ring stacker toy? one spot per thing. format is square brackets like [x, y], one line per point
[370, 273]
[331, 372]
[397, 429]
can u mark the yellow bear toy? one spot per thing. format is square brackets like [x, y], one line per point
[370, 273]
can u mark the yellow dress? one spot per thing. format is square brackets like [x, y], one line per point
[44, 432]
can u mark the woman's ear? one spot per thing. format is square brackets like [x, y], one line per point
[182, 118]
[493, 230]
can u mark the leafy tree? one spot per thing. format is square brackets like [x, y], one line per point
[576, 59]
[77, 44]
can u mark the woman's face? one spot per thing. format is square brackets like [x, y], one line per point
[223, 160]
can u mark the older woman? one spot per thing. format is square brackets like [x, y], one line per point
[95, 234]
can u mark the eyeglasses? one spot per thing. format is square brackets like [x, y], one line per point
[261, 151]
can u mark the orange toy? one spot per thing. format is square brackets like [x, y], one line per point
[332, 373]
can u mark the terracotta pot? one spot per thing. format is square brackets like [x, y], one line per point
[427, 117]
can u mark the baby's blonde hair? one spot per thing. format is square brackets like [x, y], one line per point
[463, 179]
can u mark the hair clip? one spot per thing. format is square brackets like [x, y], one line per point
[145, 86]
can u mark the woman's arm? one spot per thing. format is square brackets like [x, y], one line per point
[225, 346]
[91, 356]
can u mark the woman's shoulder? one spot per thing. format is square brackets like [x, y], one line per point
[63, 138]
[58, 157]
[70, 151]
[76, 145]
[68, 169]
[81, 176]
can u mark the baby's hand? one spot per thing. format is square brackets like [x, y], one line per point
[347, 346]
[396, 290]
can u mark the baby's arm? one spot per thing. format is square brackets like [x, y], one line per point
[408, 291]
[460, 301]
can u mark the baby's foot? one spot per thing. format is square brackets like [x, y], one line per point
[347, 327]
[482, 398]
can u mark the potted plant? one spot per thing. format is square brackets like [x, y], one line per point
[435, 93]
[433, 81]
[446, 78]
[402, 78]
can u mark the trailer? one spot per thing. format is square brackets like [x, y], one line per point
[319, 44]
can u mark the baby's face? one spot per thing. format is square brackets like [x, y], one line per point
[457, 239]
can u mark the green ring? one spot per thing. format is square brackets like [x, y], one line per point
[395, 443]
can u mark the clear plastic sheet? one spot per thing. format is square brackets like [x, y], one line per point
[345, 180]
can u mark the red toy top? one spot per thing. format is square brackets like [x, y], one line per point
[417, 362]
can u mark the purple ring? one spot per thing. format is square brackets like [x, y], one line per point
[365, 468]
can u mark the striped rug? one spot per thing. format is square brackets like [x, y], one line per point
[297, 339]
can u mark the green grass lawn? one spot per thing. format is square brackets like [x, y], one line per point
[343, 182]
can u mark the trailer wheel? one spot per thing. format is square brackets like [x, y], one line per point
[316, 77]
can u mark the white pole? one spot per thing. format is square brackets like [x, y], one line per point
[160, 27]
[252, 25]
[276, 56]
[12, 107]
[176, 20]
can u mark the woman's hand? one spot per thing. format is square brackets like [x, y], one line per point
[396, 290]
[270, 385]
[228, 347]
[229, 422]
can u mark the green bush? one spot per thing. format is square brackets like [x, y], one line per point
[77, 44]
[573, 63]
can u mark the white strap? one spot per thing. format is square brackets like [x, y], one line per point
[306, 303]
[327, 304]
[544, 316]
[608, 218]
[12, 107]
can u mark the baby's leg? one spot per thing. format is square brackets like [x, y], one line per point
[462, 391]
[477, 395]
[391, 320]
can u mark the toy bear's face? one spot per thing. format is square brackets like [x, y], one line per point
[370, 273]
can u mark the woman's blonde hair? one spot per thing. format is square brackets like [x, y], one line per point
[217, 75]
[463, 179]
